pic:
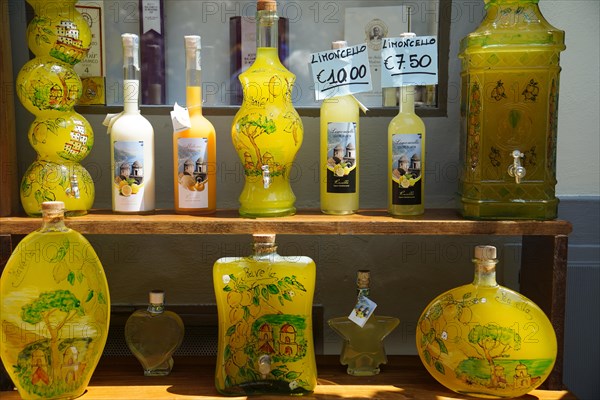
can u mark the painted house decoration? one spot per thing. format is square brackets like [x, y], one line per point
[68, 47]
[78, 140]
[287, 340]
[265, 339]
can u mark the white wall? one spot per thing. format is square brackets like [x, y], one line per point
[578, 163]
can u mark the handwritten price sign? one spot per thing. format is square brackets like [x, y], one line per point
[409, 61]
[340, 72]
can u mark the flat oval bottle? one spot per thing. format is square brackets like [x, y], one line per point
[55, 310]
[485, 340]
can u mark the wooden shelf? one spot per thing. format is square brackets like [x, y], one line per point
[306, 222]
[543, 256]
[404, 377]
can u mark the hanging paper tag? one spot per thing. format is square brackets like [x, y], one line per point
[340, 72]
[180, 118]
[409, 61]
[362, 311]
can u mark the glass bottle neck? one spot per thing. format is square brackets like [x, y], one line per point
[193, 80]
[267, 29]
[156, 308]
[407, 99]
[131, 80]
[485, 273]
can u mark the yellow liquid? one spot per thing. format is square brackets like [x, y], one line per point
[201, 128]
[405, 122]
[363, 351]
[509, 101]
[265, 309]
[267, 132]
[338, 109]
[51, 351]
[486, 342]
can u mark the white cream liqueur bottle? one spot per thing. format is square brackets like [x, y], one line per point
[131, 142]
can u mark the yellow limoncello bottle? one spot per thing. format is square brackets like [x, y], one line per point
[264, 304]
[55, 310]
[339, 166]
[406, 158]
[363, 332]
[194, 149]
[485, 340]
[267, 130]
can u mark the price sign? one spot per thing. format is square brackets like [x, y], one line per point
[340, 72]
[409, 61]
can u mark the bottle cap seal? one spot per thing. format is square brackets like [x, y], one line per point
[485, 252]
[339, 44]
[267, 5]
[156, 296]
[192, 41]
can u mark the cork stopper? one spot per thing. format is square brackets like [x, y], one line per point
[53, 211]
[363, 279]
[339, 44]
[192, 41]
[266, 5]
[264, 238]
[53, 206]
[156, 296]
[485, 253]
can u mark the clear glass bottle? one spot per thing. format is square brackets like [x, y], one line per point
[509, 111]
[264, 303]
[153, 335]
[339, 166]
[363, 350]
[267, 131]
[131, 142]
[406, 158]
[485, 340]
[194, 149]
[55, 310]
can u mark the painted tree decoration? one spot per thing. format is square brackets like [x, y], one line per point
[49, 88]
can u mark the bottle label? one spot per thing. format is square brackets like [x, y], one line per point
[362, 311]
[406, 169]
[341, 157]
[192, 172]
[128, 171]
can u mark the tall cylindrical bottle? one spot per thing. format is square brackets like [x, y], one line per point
[194, 149]
[264, 303]
[339, 166]
[132, 142]
[267, 131]
[55, 310]
[406, 158]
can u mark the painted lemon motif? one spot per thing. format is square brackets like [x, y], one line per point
[126, 190]
[135, 188]
[405, 183]
[338, 170]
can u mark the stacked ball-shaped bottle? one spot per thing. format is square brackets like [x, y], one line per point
[49, 88]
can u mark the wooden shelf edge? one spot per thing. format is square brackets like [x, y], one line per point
[193, 378]
[305, 222]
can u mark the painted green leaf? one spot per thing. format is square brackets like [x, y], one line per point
[273, 289]
[265, 293]
[101, 298]
[277, 373]
[227, 289]
[89, 296]
[292, 375]
[71, 278]
[440, 367]
[443, 347]
[230, 331]
[427, 356]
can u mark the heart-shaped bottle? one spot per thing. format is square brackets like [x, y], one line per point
[153, 335]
